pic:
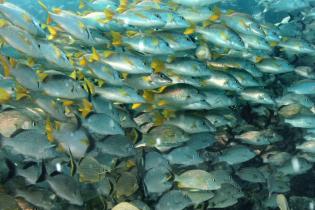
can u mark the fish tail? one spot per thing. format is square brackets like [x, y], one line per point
[123, 4]
[148, 95]
[117, 39]
[109, 15]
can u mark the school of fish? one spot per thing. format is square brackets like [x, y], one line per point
[152, 104]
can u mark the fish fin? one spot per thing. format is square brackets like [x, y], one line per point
[158, 119]
[43, 5]
[4, 96]
[133, 135]
[147, 78]
[190, 30]
[89, 86]
[5, 65]
[83, 61]
[86, 108]
[136, 106]
[148, 95]
[258, 59]
[130, 163]
[20, 92]
[216, 14]
[56, 10]
[130, 33]
[159, 90]
[12, 62]
[31, 62]
[162, 103]
[273, 43]
[67, 102]
[124, 75]
[49, 130]
[73, 74]
[41, 75]
[72, 163]
[108, 53]
[52, 32]
[157, 66]
[95, 56]
[207, 23]
[168, 113]
[100, 82]
[123, 4]
[109, 15]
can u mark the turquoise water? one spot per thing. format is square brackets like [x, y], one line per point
[166, 105]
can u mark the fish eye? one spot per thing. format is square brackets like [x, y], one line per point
[163, 76]
[157, 15]
[38, 45]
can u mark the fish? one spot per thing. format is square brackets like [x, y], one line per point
[174, 199]
[205, 181]
[117, 145]
[63, 87]
[188, 68]
[148, 44]
[257, 95]
[157, 180]
[274, 66]
[125, 205]
[301, 121]
[91, 171]
[190, 123]
[21, 40]
[243, 23]
[164, 137]
[231, 155]
[127, 63]
[37, 196]
[21, 18]
[67, 188]
[102, 124]
[32, 144]
[226, 39]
